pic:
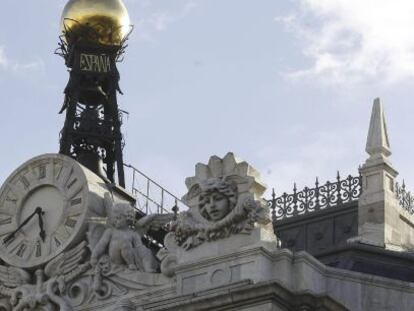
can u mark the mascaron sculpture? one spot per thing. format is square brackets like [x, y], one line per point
[223, 199]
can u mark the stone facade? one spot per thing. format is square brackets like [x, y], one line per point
[220, 254]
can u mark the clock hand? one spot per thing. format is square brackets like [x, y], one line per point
[11, 235]
[42, 231]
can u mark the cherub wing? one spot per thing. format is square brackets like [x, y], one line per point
[153, 222]
[95, 232]
[67, 261]
[13, 277]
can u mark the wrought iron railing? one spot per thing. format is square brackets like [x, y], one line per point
[318, 198]
[405, 198]
[151, 197]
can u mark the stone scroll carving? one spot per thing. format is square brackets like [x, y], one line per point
[223, 199]
[46, 289]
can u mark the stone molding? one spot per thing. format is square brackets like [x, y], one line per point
[245, 295]
[297, 273]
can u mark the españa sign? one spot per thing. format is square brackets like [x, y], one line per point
[95, 63]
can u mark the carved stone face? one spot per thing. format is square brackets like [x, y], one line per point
[104, 264]
[214, 205]
[217, 206]
[119, 218]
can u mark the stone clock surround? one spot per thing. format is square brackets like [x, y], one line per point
[70, 196]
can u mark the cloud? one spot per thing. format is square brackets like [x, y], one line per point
[3, 59]
[18, 67]
[148, 27]
[36, 65]
[350, 41]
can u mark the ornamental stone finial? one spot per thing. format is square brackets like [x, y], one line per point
[378, 212]
[378, 143]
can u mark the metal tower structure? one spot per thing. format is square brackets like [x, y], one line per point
[92, 130]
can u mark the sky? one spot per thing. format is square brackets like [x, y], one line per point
[286, 85]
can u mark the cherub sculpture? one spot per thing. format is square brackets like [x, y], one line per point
[121, 242]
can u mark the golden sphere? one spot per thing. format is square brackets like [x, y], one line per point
[108, 20]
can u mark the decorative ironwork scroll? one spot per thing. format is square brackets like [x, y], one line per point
[405, 198]
[313, 199]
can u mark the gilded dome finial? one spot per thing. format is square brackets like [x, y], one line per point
[100, 21]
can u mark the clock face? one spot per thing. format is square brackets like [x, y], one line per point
[46, 194]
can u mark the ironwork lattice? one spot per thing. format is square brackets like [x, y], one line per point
[313, 199]
[405, 198]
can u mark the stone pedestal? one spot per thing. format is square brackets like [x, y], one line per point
[378, 206]
[217, 263]
[381, 220]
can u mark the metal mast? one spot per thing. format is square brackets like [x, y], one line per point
[92, 130]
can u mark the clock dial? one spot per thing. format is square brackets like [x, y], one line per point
[43, 209]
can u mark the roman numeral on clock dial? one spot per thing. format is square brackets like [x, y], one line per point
[5, 220]
[38, 249]
[59, 237]
[21, 250]
[7, 241]
[25, 182]
[61, 234]
[71, 183]
[15, 192]
[58, 171]
[13, 242]
[66, 176]
[57, 242]
[76, 201]
[63, 174]
[70, 222]
[5, 231]
[41, 171]
[67, 179]
[11, 199]
[8, 205]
